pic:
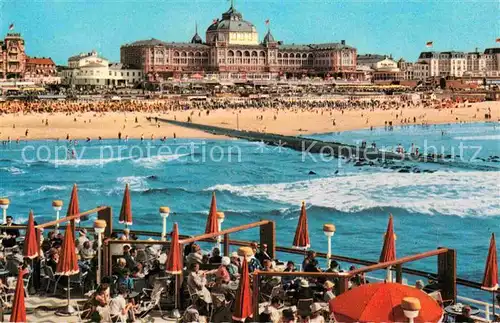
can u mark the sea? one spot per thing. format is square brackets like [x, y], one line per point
[455, 204]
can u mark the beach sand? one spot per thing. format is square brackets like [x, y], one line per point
[287, 122]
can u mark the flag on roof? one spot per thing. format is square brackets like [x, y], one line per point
[11, 26]
[267, 21]
[429, 44]
[498, 40]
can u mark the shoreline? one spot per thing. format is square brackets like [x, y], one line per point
[284, 121]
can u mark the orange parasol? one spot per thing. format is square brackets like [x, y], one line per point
[126, 210]
[174, 260]
[381, 302]
[212, 225]
[73, 207]
[31, 240]
[243, 307]
[301, 240]
[389, 249]
[68, 264]
[18, 307]
[490, 279]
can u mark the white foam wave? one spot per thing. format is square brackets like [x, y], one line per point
[13, 170]
[87, 162]
[462, 194]
[484, 137]
[155, 161]
[136, 183]
[44, 188]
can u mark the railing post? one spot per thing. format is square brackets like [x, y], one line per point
[226, 245]
[447, 274]
[255, 294]
[105, 266]
[343, 284]
[106, 215]
[399, 273]
[268, 236]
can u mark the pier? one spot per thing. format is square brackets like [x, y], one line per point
[336, 149]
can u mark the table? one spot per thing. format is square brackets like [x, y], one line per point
[456, 309]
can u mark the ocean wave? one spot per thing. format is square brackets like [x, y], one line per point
[13, 170]
[474, 194]
[136, 183]
[484, 137]
[155, 161]
[44, 188]
[87, 162]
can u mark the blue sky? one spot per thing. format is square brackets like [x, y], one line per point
[60, 29]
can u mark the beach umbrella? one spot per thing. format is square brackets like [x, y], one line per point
[68, 263]
[301, 239]
[490, 279]
[73, 207]
[173, 265]
[243, 308]
[212, 224]
[31, 240]
[383, 302]
[126, 210]
[389, 249]
[18, 307]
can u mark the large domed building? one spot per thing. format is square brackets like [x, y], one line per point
[232, 50]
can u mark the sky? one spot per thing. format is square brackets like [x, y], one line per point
[63, 28]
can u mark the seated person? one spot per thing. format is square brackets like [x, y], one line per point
[262, 254]
[197, 282]
[196, 256]
[465, 316]
[121, 307]
[86, 252]
[216, 258]
[316, 314]
[53, 259]
[222, 271]
[126, 280]
[271, 312]
[14, 261]
[289, 282]
[120, 267]
[329, 293]
[304, 291]
[289, 315]
[234, 266]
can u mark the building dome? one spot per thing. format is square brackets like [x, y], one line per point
[232, 20]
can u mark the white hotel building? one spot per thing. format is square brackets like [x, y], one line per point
[89, 69]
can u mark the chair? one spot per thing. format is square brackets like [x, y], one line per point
[275, 291]
[193, 295]
[51, 278]
[304, 307]
[148, 306]
[79, 279]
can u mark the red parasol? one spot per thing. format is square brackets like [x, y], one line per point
[243, 307]
[174, 260]
[31, 241]
[381, 302]
[212, 225]
[490, 280]
[389, 249]
[18, 306]
[73, 207]
[68, 264]
[126, 210]
[301, 240]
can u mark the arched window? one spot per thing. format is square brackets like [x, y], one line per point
[254, 54]
[285, 55]
[262, 54]
[247, 53]
[292, 55]
[230, 53]
[198, 54]
[279, 55]
[238, 53]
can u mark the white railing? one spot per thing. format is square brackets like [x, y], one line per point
[485, 308]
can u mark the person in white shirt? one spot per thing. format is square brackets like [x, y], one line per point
[82, 238]
[120, 307]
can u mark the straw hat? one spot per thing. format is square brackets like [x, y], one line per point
[328, 284]
[245, 252]
[411, 304]
[315, 307]
[234, 254]
[225, 261]
[304, 283]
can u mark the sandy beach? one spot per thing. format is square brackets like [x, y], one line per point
[284, 121]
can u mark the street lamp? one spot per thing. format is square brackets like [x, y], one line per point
[4, 204]
[99, 227]
[57, 205]
[220, 219]
[164, 212]
[411, 307]
[329, 230]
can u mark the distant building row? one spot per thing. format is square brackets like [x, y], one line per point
[431, 64]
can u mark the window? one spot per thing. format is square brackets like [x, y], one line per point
[133, 73]
[127, 74]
